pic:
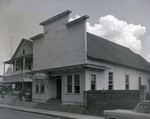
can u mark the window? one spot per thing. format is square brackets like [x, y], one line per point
[76, 83]
[69, 84]
[139, 82]
[24, 47]
[127, 82]
[110, 81]
[39, 86]
[93, 82]
[73, 83]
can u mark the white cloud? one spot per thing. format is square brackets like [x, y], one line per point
[118, 31]
[71, 19]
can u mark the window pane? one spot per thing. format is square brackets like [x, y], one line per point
[127, 82]
[77, 79]
[93, 79]
[42, 86]
[69, 84]
[76, 89]
[69, 88]
[37, 86]
[69, 79]
[110, 81]
[76, 83]
[110, 87]
[92, 86]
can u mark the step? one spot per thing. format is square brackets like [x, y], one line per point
[58, 106]
[48, 108]
[49, 103]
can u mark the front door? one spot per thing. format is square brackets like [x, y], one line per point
[58, 85]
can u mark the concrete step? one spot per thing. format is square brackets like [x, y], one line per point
[50, 105]
[48, 108]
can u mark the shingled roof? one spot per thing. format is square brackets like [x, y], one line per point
[102, 49]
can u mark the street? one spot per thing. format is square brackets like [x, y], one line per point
[14, 114]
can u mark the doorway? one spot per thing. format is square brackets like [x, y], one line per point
[58, 86]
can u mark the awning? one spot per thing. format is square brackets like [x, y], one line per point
[17, 80]
[26, 80]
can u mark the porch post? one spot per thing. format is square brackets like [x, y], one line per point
[23, 63]
[15, 66]
[4, 69]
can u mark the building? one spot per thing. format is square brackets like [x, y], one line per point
[68, 60]
[15, 69]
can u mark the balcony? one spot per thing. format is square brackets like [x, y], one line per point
[16, 72]
[17, 66]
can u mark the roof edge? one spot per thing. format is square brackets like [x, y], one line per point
[37, 36]
[77, 20]
[118, 63]
[55, 17]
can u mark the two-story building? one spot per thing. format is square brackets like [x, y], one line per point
[68, 60]
[15, 69]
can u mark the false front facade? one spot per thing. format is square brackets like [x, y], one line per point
[67, 61]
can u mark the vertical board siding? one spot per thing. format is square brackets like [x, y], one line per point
[61, 45]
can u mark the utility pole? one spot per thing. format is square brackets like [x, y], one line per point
[11, 40]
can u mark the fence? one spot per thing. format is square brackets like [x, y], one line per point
[98, 101]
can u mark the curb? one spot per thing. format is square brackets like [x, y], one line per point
[40, 113]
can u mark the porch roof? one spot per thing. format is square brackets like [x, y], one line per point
[71, 68]
[18, 58]
[17, 80]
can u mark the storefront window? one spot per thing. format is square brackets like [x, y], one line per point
[69, 84]
[40, 85]
[76, 83]
[37, 86]
[73, 83]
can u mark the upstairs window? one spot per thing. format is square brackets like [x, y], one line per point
[93, 82]
[24, 48]
[110, 83]
[127, 82]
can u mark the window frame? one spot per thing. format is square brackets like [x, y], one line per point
[73, 83]
[127, 82]
[110, 80]
[40, 86]
[94, 82]
[24, 49]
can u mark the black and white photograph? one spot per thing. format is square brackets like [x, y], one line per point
[74, 59]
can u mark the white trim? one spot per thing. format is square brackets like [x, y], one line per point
[72, 74]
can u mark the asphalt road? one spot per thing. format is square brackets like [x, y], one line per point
[14, 114]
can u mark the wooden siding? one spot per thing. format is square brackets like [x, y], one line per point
[61, 45]
[119, 73]
[28, 50]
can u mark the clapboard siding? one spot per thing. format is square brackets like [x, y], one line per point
[60, 46]
[28, 50]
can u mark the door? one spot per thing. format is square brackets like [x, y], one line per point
[58, 84]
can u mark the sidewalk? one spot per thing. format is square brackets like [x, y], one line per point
[50, 112]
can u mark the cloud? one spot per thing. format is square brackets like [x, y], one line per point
[118, 31]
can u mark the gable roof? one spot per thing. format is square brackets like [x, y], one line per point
[102, 49]
[29, 42]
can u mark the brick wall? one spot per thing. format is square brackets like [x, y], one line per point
[100, 100]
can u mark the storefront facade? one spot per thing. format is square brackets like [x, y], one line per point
[68, 61]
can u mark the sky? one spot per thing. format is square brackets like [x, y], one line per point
[125, 22]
